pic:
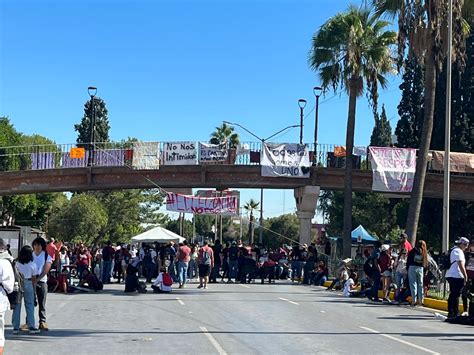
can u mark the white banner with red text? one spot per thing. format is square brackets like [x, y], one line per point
[227, 206]
[393, 169]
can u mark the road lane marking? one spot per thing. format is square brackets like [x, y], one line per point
[213, 341]
[401, 341]
[244, 285]
[179, 301]
[284, 299]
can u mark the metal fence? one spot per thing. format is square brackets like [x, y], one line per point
[58, 156]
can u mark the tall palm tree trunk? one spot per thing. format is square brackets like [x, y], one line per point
[347, 240]
[252, 228]
[416, 197]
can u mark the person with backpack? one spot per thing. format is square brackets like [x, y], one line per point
[233, 262]
[43, 264]
[7, 281]
[205, 264]
[456, 275]
[27, 270]
[163, 282]
[417, 260]
[375, 273]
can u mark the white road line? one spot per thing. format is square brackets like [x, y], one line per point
[284, 299]
[213, 341]
[179, 301]
[401, 341]
[244, 285]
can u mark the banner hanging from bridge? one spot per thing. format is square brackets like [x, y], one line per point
[212, 153]
[393, 169]
[227, 206]
[146, 155]
[179, 153]
[285, 160]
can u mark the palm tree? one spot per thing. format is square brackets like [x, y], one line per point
[422, 28]
[250, 206]
[225, 135]
[350, 49]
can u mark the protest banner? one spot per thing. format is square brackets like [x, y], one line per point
[393, 169]
[146, 155]
[77, 153]
[216, 153]
[226, 206]
[179, 153]
[459, 162]
[285, 160]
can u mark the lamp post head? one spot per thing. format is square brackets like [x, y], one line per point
[317, 90]
[92, 90]
[302, 103]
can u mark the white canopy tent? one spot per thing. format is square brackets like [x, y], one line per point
[158, 234]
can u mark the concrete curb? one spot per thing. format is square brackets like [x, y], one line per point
[432, 303]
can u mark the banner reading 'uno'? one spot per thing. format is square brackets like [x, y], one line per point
[285, 160]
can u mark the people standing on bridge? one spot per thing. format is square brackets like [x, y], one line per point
[43, 264]
[205, 264]
[456, 275]
[184, 256]
[417, 260]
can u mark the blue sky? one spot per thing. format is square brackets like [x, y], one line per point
[173, 70]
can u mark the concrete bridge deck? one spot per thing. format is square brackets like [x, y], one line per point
[204, 176]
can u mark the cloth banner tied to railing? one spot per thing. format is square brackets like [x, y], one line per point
[285, 160]
[212, 153]
[393, 168]
[227, 206]
[146, 155]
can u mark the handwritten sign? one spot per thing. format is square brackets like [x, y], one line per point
[77, 153]
[212, 152]
[285, 160]
[179, 153]
[226, 206]
[393, 168]
[146, 155]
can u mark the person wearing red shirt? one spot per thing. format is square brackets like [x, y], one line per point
[51, 249]
[205, 264]
[184, 255]
[404, 243]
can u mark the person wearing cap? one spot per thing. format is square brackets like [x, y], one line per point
[456, 275]
[404, 243]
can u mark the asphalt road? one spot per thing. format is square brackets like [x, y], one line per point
[237, 319]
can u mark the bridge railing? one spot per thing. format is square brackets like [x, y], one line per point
[61, 156]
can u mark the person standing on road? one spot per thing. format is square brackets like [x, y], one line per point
[206, 263]
[417, 260]
[376, 272]
[456, 275]
[27, 268]
[233, 262]
[401, 272]
[385, 262]
[107, 260]
[184, 255]
[43, 264]
[404, 243]
[7, 281]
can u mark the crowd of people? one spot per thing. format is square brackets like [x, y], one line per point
[55, 267]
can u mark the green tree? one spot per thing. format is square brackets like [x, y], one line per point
[251, 206]
[351, 48]
[410, 109]
[422, 27]
[286, 225]
[382, 132]
[173, 225]
[102, 126]
[83, 218]
[224, 134]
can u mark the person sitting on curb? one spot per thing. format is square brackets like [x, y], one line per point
[343, 272]
[350, 285]
[320, 275]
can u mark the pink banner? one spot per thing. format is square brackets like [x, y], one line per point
[226, 206]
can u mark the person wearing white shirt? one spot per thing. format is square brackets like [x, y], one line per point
[7, 281]
[456, 276]
[43, 263]
[350, 285]
[27, 268]
[158, 285]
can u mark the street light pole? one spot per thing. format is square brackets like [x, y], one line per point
[92, 90]
[317, 93]
[447, 133]
[301, 104]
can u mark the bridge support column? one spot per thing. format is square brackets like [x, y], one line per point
[306, 199]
